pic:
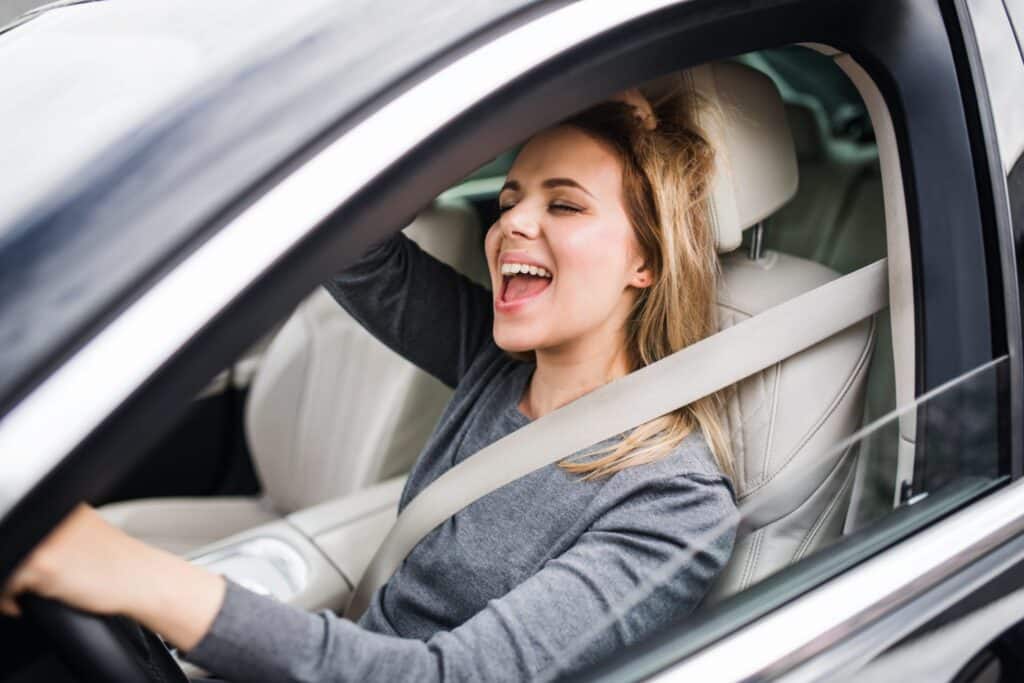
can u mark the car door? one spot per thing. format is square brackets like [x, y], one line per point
[275, 243]
[943, 603]
[970, 627]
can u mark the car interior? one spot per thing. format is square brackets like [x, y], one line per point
[286, 473]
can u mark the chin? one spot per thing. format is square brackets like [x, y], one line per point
[515, 343]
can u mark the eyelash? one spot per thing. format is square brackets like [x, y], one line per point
[553, 206]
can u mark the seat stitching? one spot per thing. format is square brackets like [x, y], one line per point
[797, 510]
[829, 509]
[745, 418]
[833, 406]
[735, 309]
[755, 553]
[771, 418]
[741, 461]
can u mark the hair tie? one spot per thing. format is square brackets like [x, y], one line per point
[641, 107]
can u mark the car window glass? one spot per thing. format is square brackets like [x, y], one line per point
[799, 72]
[998, 27]
[1003, 65]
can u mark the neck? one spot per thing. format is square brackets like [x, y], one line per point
[564, 374]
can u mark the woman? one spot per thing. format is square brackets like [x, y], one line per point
[602, 261]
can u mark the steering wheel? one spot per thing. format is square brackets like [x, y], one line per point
[99, 648]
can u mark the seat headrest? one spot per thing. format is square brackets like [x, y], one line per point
[756, 168]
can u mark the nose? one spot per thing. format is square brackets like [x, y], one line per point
[520, 221]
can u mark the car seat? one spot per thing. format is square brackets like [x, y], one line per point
[793, 487]
[313, 420]
[837, 218]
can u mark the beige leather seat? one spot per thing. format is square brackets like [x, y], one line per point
[793, 488]
[313, 421]
[837, 218]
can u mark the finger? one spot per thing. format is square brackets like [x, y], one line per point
[9, 606]
[13, 585]
[24, 577]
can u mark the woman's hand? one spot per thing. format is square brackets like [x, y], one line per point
[84, 562]
[87, 563]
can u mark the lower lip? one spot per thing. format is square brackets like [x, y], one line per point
[517, 305]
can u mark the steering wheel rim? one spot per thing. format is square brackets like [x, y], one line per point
[99, 648]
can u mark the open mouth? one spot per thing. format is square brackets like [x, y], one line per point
[518, 287]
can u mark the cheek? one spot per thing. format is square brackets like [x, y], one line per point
[491, 240]
[595, 258]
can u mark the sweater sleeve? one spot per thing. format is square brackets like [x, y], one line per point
[646, 562]
[418, 306]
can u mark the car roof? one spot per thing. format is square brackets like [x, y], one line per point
[88, 73]
[204, 124]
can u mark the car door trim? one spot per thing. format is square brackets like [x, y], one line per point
[845, 661]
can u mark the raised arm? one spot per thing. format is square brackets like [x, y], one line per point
[644, 563]
[418, 306]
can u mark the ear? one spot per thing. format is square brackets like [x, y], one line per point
[642, 276]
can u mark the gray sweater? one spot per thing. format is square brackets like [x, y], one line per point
[537, 579]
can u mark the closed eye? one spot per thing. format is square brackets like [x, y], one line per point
[565, 208]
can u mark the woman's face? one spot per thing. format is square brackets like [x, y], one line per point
[563, 216]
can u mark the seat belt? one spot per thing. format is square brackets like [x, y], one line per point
[677, 380]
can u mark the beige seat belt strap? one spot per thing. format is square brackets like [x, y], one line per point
[677, 380]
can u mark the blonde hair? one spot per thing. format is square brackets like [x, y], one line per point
[666, 178]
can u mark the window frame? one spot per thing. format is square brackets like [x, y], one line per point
[997, 221]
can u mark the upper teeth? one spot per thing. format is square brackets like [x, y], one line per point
[516, 268]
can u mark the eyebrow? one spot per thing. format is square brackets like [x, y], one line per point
[549, 183]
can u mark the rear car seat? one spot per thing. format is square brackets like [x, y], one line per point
[313, 420]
